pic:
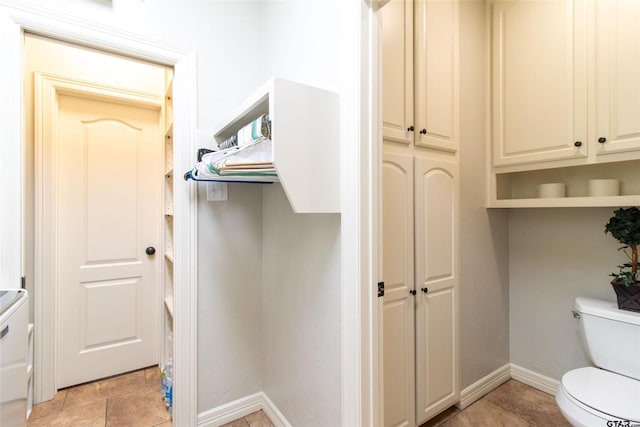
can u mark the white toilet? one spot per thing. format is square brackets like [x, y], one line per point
[608, 395]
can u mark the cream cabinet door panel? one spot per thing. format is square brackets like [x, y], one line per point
[397, 71]
[436, 347]
[617, 82]
[436, 213]
[436, 74]
[398, 303]
[539, 72]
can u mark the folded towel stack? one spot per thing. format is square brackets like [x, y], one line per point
[248, 153]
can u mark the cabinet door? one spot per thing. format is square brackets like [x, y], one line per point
[397, 71]
[436, 207]
[436, 74]
[617, 71]
[539, 76]
[398, 303]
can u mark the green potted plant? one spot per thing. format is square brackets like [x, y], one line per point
[624, 226]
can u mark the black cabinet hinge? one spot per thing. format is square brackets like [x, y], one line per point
[380, 289]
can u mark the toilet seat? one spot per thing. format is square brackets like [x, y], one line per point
[577, 414]
[605, 394]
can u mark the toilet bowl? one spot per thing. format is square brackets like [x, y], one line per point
[591, 397]
[608, 394]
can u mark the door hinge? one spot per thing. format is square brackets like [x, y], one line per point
[380, 289]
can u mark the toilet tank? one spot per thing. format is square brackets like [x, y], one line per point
[611, 336]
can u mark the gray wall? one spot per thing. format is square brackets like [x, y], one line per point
[484, 235]
[555, 256]
[301, 312]
[229, 296]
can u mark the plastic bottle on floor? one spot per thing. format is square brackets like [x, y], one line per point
[167, 378]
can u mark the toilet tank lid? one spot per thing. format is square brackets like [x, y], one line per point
[605, 391]
[606, 309]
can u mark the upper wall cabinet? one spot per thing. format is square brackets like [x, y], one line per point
[547, 103]
[617, 86]
[420, 73]
[565, 100]
[539, 70]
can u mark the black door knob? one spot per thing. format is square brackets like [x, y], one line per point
[425, 290]
[150, 250]
[578, 143]
[412, 291]
[423, 131]
[602, 140]
[410, 128]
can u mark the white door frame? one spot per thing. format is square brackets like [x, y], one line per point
[15, 20]
[361, 134]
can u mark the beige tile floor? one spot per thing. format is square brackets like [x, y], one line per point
[257, 419]
[513, 404]
[134, 400]
[131, 399]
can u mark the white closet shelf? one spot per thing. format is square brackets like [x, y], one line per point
[168, 303]
[567, 202]
[305, 137]
[516, 186]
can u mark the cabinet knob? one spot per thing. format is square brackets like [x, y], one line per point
[150, 250]
[602, 140]
[411, 129]
[412, 291]
[423, 131]
[425, 290]
[578, 143]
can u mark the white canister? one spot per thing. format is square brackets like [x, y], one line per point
[553, 189]
[604, 187]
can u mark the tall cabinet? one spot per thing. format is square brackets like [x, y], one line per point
[420, 199]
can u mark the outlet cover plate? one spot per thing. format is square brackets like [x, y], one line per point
[216, 191]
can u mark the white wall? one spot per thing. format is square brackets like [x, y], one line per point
[555, 256]
[484, 252]
[301, 305]
[229, 296]
[303, 41]
[301, 312]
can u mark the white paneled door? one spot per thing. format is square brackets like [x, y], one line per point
[436, 218]
[398, 300]
[106, 150]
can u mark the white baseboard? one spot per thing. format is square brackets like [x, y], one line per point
[242, 407]
[488, 383]
[274, 414]
[534, 379]
[484, 385]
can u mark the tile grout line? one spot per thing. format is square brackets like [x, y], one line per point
[106, 411]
